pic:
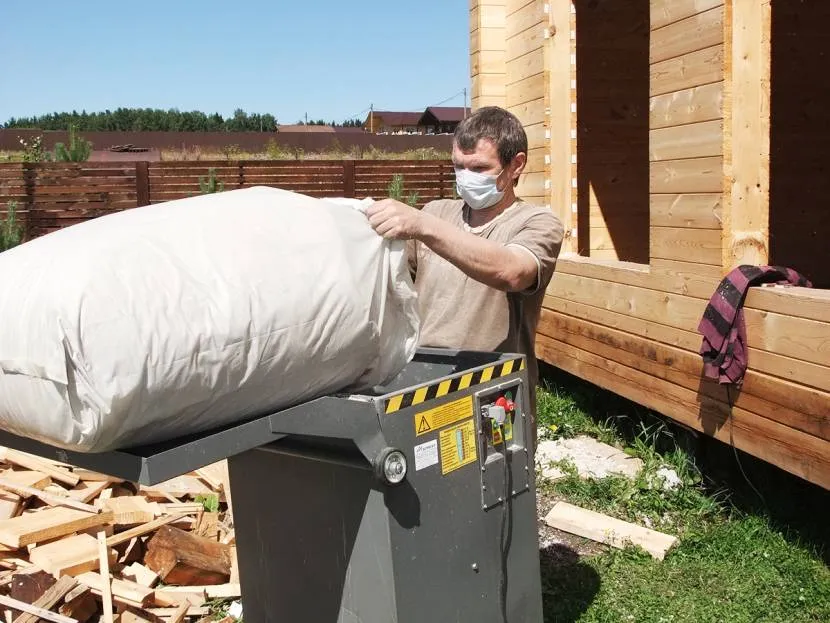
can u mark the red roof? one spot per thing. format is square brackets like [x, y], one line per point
[445, 114]
[396, 118]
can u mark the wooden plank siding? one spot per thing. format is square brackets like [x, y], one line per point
[487, 58]
[631, 327]
[55, 195]
[525, 83]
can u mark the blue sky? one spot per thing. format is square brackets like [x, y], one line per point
[328, 58]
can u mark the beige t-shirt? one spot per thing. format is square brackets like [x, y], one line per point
[459, 312]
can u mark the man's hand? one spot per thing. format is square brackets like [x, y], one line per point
[396, 220]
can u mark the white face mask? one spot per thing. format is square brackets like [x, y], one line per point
[478, 190]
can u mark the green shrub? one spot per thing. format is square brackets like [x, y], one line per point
[11, 230]
[78, 151]
[396, 191]
[211, 184]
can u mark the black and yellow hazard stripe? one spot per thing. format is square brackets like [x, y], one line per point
[453, 384]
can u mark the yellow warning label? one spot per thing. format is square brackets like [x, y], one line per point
[458, 446]
[438, 417]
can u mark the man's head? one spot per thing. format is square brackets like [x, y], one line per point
[489, 152]
[501, 129]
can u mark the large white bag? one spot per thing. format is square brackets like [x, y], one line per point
[175, 318]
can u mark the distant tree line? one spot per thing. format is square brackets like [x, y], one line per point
[154, 119]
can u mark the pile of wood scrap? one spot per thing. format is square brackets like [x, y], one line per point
[80, 546]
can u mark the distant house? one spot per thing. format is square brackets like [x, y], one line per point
[442, 119]
[392, 122]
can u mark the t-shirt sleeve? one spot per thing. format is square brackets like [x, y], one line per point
[541, 234]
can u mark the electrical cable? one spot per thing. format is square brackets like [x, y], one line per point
[734, 450]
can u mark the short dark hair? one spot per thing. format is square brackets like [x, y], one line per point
[496, 124]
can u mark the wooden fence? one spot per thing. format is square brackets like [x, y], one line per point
[50, 196]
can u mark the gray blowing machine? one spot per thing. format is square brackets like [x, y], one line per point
[415, 504]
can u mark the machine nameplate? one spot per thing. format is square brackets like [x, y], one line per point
[458, 446]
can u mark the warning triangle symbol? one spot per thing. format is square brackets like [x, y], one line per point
[423, 425]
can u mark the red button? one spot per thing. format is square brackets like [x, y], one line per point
[501, 401]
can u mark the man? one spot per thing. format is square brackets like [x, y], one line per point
[482, 262]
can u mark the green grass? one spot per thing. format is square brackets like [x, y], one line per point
[730, 565]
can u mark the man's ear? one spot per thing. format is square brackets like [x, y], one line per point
[519, 162]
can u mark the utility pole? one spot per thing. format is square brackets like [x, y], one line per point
[371, 119]
[465, 102]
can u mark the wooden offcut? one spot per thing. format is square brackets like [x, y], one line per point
[608, 530]
[48, 524]
[49, 598]
[70, 556]
[182, 558]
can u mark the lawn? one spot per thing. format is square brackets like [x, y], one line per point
[746, 552]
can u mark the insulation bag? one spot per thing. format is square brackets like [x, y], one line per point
[172, 319]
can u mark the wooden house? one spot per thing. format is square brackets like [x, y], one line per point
[676, 140]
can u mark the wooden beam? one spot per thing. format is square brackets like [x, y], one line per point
[608, 530]
[746, 133]
[560, 96]
[701, 246]
[694, 140]
[695, 175]
[693, 105]
[665, 12]
[692, 211]
[696, 32]
[687, 71]
[763, 395]
[792, 450]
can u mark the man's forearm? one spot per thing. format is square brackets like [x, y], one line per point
[484, 260]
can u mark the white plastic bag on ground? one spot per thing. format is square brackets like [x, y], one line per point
[176, 318]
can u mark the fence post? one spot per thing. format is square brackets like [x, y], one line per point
[348, 178]
[29, 185]
[441, 181]
[142, 184]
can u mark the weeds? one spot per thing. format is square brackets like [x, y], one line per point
[729, 565]
[396, 191]
[11, 230]
[212, 184]
[78, 150]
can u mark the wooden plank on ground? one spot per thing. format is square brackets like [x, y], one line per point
[608, 530]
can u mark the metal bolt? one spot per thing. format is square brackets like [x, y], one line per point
[501, 499]
[484, 487]
[483, 469]
[514, 492]
[475, 567]
[526, 468]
